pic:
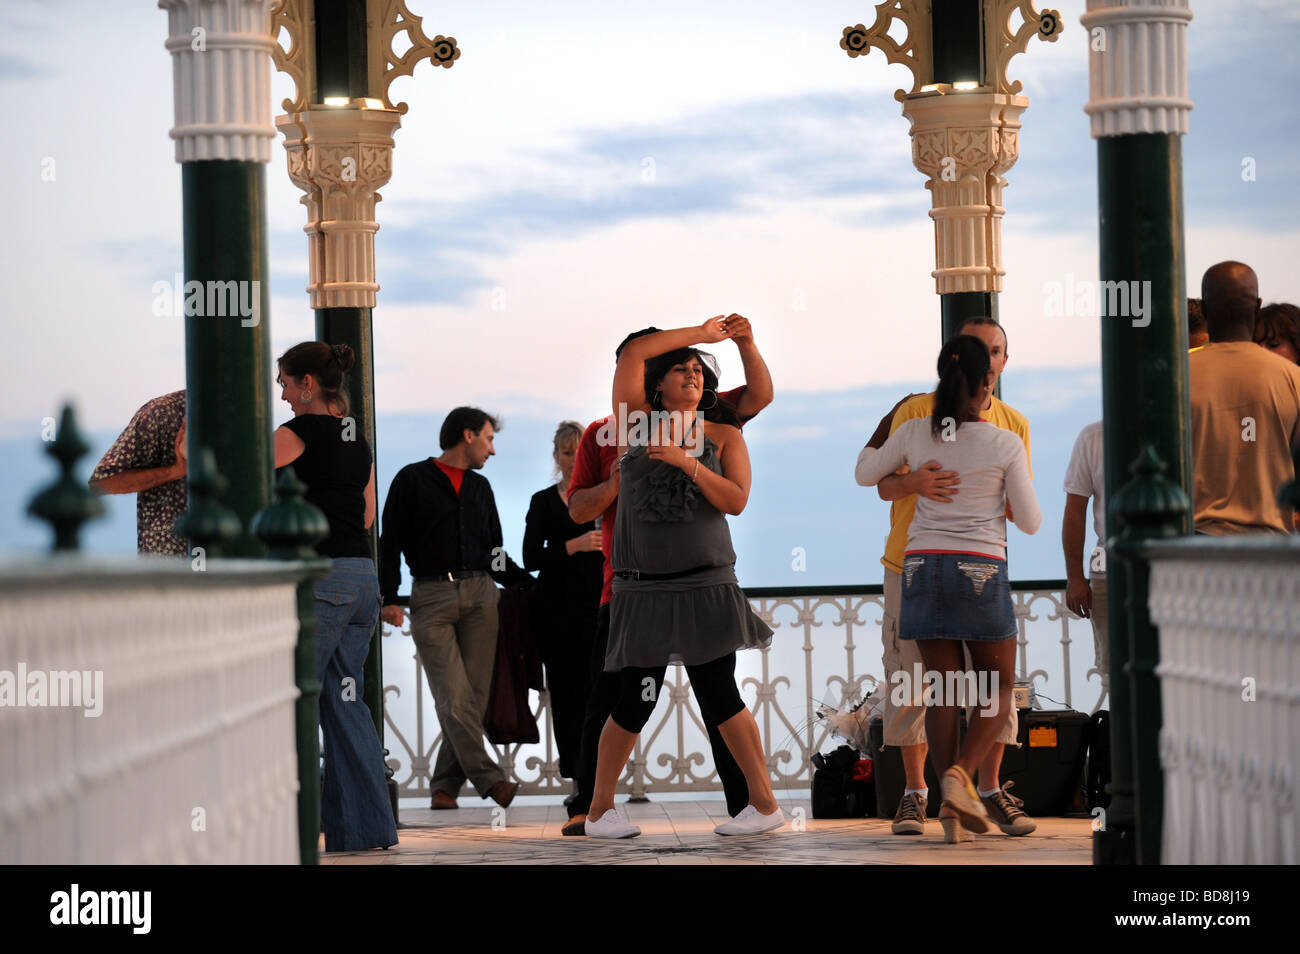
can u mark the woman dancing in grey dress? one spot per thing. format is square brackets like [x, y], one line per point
[676, 598]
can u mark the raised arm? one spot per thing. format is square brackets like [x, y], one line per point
[758, 380]
[629, 375]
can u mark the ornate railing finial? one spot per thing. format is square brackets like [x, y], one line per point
[290, 526]
[207, 522]
[67, 503]
[1149, 505]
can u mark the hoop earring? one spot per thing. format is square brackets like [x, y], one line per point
[715, 400]
[306, 397]
[657, 400]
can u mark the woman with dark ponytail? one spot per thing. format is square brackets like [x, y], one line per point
[955, 585]
[333, 459]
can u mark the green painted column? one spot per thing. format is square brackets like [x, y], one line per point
[1145, 405]
[227, 356]
[221, 59]
[956, 308]
[1139, 109]
[957, 41]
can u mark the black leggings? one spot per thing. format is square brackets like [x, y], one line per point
[605, 688]
[714, 684]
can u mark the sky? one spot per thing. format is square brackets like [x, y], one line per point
[590, 168]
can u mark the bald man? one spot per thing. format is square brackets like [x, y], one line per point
[1245, 413]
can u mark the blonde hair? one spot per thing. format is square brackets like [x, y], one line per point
[569, 432]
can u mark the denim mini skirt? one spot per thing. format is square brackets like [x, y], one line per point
[956, 596]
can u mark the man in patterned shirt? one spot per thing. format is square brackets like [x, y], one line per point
[148, 459]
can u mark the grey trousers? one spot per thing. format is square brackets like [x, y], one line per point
[454, 626]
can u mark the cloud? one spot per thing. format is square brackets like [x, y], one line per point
[741, 159]
[16, 68]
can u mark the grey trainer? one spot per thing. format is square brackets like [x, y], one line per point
[910, 817]
[1005, 811]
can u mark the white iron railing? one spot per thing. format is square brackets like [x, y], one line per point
[826, 648]
[1229, 619]
[191, 757]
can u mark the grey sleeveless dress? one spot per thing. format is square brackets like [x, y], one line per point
[666, 525]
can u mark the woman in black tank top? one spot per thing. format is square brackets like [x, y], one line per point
[332, 457]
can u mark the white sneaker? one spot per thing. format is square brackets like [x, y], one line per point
[611, 825]
[750, 822]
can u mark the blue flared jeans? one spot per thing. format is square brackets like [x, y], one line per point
[355, 808]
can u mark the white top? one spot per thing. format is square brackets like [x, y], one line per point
[1086, 476]
[993, 469]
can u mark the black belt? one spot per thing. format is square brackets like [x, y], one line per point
[638, 575]
[450, 576]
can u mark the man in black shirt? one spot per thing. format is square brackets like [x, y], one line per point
[443, 516]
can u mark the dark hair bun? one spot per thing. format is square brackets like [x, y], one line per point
[344, 355]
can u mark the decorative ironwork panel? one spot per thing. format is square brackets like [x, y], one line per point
[825, 650]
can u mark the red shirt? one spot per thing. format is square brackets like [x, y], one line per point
[455, 474]
[592, 465]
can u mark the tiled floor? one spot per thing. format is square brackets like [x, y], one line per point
[681, 833]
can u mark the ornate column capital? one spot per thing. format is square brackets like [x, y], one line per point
[340, 156]
[963, 143]
[340, 152]
[221, 68]
[1001, 40]
[1137, 66]
[385, 19]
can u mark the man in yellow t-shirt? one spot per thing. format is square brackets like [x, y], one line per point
[905, 724]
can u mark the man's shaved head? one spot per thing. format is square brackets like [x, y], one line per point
[1230, 300]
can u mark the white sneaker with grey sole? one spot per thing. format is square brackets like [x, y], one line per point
[750, 822]
[611, 825]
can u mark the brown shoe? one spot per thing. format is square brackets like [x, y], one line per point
[503, 793]
[441, 801]
[577, 826]
[910, 817]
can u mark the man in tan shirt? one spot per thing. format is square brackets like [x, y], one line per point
[1245, 413]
